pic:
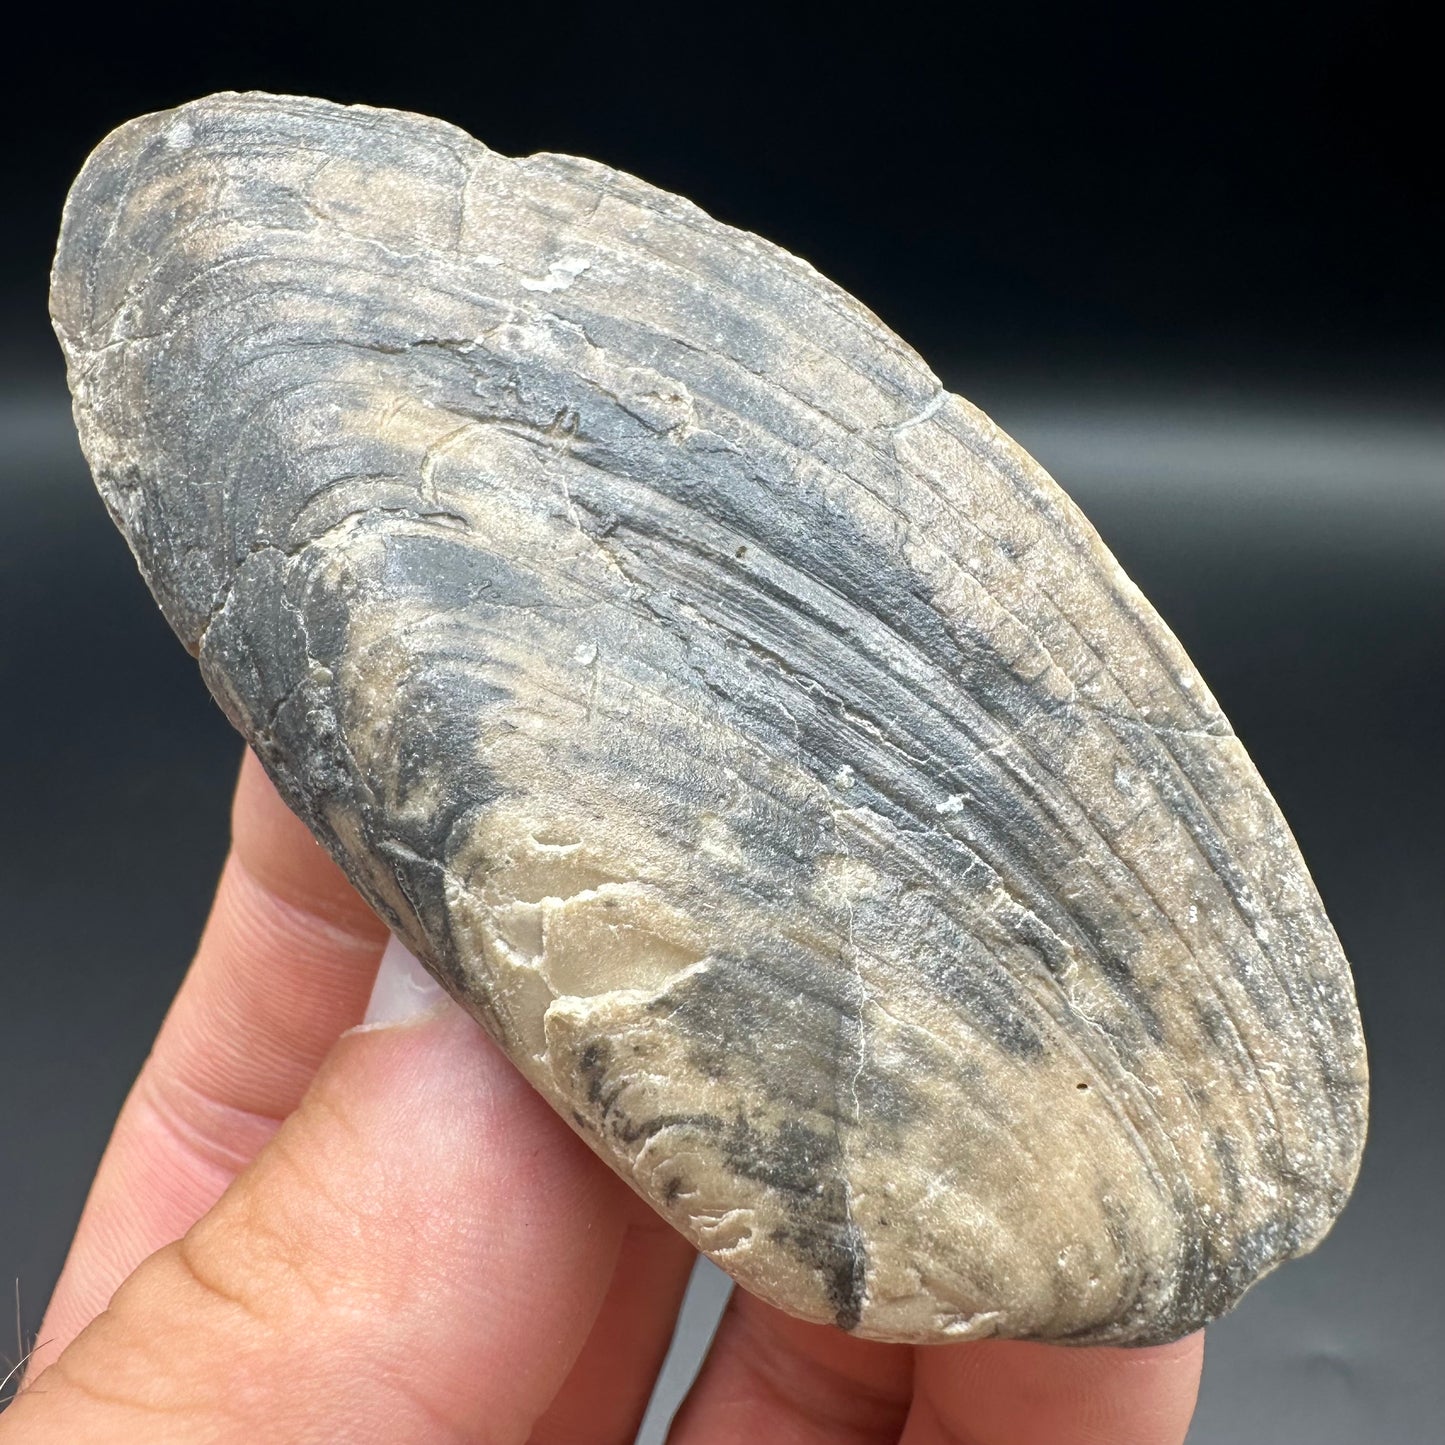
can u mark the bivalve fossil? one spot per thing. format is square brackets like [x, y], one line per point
[753, 737]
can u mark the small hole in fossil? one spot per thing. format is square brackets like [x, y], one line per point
[1081, 1086]
[741, 552]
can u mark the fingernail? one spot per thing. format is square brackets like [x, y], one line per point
[403, 990]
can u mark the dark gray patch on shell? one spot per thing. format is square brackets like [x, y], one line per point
[796, 1164]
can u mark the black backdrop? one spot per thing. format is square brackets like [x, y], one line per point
[1189, 256]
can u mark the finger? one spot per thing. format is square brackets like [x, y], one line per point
[284, 966]
[1007, 1392]
[605, 1395]
[418, 1255]
[772, 1378]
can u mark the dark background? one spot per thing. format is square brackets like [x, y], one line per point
[1190, 257]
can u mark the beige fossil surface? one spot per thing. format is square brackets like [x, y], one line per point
[755, 739]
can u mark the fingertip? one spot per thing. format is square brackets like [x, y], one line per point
[1017, 1392]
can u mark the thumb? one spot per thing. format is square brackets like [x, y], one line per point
[417, 1255]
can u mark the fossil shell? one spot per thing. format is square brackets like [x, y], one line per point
[754, 738]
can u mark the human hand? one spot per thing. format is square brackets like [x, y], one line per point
[303, 1231]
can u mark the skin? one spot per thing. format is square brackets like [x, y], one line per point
[310, 1231]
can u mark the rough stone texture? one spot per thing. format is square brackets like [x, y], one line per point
[753, 737]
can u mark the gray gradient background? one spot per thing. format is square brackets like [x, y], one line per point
[1237, 375]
